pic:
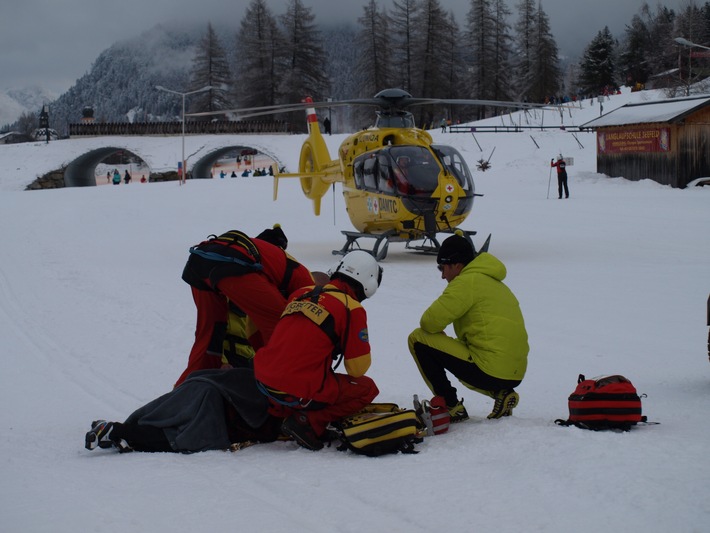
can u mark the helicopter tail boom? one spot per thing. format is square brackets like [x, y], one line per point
[314, 161]
[316, 170]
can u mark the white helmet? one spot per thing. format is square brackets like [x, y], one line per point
[360, 266]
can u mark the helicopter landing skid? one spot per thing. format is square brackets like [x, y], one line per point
[351, 243]
[429, 245]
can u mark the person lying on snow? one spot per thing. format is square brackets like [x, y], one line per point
[211, 410]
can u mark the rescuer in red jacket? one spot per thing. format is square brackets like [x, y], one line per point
[321, 327]
[256, 275]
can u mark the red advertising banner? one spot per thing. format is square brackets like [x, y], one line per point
[634, 140]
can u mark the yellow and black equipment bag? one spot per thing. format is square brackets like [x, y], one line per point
[380, 429]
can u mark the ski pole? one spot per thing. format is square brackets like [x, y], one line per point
[548, 183]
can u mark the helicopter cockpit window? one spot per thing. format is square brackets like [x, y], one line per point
[415, 168]
[358, 174]
[384, 174]
[368, 171]
[455, 164]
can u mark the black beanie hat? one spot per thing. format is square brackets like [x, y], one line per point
[275, 236]
[455, 249]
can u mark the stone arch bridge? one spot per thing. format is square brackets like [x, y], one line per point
[78, 158]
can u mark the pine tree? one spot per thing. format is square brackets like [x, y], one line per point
[488, 47]
[260, 51]
[372, 68]
[479, 38]
[537, 71]
[633, 66]
[546, 62]
[404, 42]
[597, 69]
[431, 23]
[373, 62]
[524, 49]
[691, 24]
[210, 68]
[342, 56]
[27, 123]
[304, 68]
[662, 54]
[452, 56]
[502, 51]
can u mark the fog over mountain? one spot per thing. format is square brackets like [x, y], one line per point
[120, 85]
[53, 45]
[119, 82]
[15, 102]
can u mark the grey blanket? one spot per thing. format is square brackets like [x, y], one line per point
[193, 415]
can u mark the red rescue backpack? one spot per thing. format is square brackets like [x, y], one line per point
[604, 402]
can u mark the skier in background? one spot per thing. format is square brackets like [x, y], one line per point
[561, 176]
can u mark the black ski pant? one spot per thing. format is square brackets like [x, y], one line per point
[562, 183]
[142, 438]
[434, 363]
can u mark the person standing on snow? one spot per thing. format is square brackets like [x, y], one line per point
[256, 275]
[489, 353]
[561, 175]
[319, 324]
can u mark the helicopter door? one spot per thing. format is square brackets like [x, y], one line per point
[456, 165]
[369, 168]
[384, 174]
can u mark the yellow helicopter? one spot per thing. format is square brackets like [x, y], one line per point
[398, 185]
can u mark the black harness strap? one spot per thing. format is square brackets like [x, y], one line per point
[328, 323]
[239, 238]
[291, 265]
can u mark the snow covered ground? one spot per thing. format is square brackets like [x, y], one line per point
[95, 321]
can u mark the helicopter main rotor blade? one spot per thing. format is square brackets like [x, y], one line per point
[245, 112]
[459, 101]
[388, 100]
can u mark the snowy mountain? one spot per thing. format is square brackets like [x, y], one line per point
[15, 102]
[120, 85]
[124, 76]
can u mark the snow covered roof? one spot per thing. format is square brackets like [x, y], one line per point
[649, 112]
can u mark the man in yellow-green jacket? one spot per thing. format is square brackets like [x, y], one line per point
[489, 353]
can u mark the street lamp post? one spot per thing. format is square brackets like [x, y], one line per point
[686, 42]
[203, 89]
[690, 45]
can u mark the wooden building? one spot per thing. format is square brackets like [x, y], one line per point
[667, 141]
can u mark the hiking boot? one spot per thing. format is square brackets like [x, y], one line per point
[457, 412]
[298, 427]
[100, 437]
[505, 402]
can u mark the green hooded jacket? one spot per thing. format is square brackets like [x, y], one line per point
[486, 317]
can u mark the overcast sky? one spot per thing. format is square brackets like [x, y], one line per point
[51, 43]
